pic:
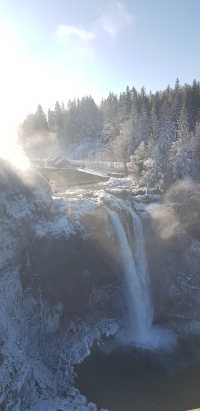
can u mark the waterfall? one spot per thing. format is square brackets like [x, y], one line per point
[135, 269]
[142, 271]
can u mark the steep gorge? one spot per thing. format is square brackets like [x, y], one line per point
[99, 265]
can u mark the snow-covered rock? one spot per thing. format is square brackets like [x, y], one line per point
[39, 345]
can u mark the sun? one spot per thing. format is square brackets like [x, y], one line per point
[10, 150]
[15, 155]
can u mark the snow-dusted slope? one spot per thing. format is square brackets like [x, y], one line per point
[37, 350]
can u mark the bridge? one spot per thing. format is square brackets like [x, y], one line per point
[66, 177]
[78, 172]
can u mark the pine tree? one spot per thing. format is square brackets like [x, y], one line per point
[40, 120]
[51, 120]
[163, 126]
[182, 126]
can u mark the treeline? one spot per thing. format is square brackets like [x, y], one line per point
[157, 133]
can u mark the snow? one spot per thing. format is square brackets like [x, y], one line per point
[124, 182]
[93, 172]
[66, 215]
[56, 228]
[24, 366]
[19, 208]
[76, 208]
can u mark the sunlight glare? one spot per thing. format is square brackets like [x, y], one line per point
[10, 150]
[11, 96]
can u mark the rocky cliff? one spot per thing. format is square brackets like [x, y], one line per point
[45, 292]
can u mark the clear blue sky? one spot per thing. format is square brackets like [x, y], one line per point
[60, 49]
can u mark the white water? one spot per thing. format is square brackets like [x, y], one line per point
[134, 264]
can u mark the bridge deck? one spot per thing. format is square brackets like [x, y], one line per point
[71, 176]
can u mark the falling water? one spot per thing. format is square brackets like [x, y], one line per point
[135, 269]
[142, 272]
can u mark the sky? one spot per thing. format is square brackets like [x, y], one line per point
[62, 49]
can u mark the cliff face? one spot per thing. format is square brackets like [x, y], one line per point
[46, 293]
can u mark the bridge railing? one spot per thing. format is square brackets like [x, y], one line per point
[117, 166]
[99, 165]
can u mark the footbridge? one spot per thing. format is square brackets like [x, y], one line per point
[62, 173]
